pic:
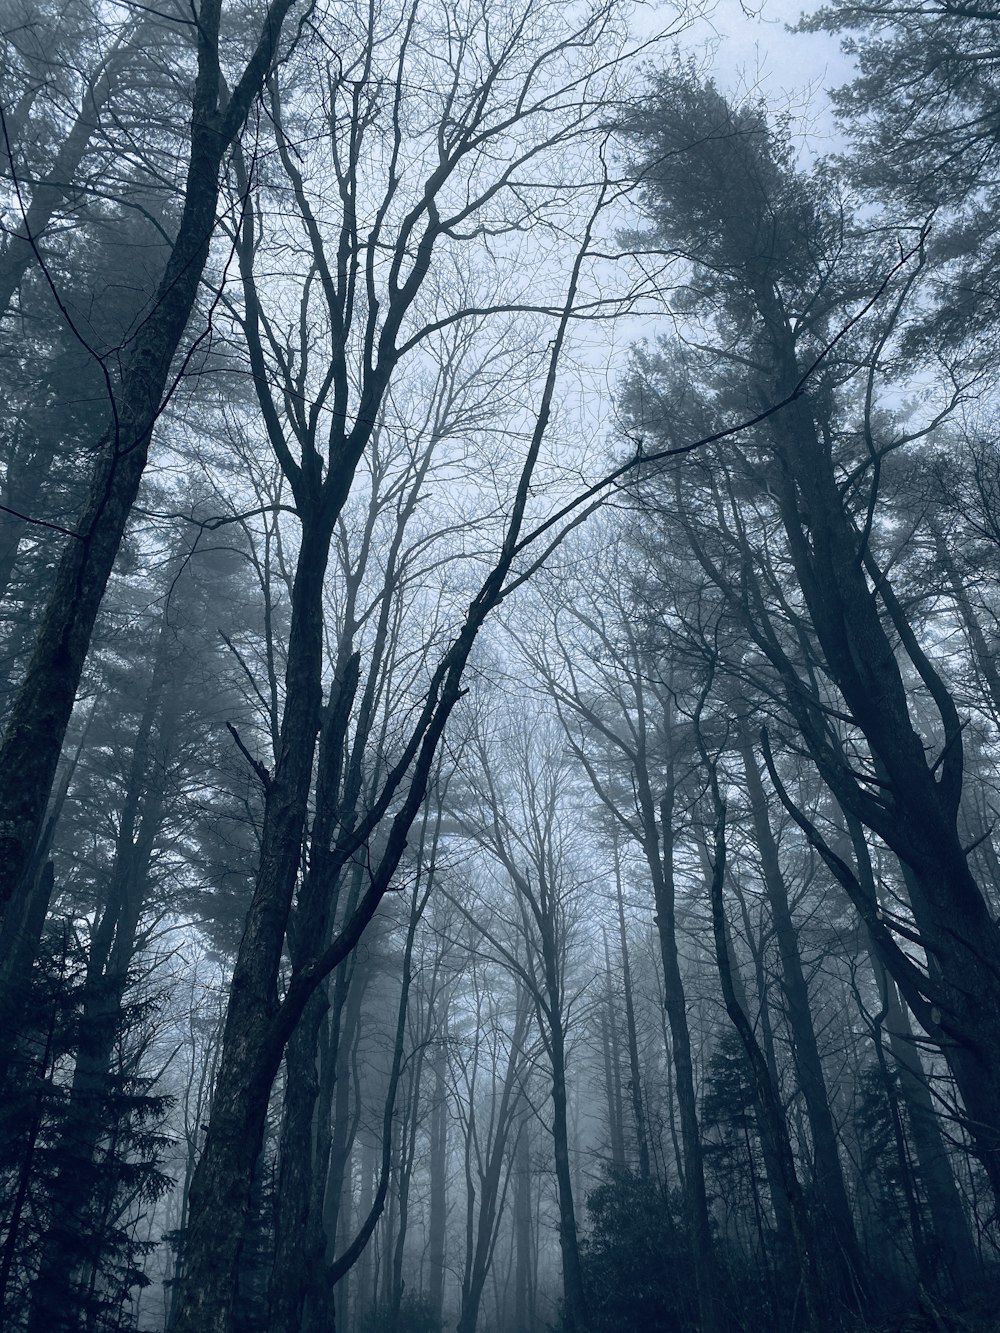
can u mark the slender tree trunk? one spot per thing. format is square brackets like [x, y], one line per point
[438, 1214]
[56, 1298]
[784, 1235]
[409, 1122]
[634, 1069]
[660, 858]
[481, 1239]
[575, 1314]
[21, 931]
[772, 1113]
[612, 1068]
[842, 1254]
[984, 660]
[524, 1304]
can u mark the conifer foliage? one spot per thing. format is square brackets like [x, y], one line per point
[455, 871]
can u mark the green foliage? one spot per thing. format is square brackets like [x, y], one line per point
[90, 1153]
[721, 189]
[924, 115]
[637, 1259]
[729, 1123]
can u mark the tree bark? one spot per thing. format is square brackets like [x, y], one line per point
[769, 1100]
[948, 1219]
[659, 848]
[843, 1254]
[524, 1251]
[438, 1207]
[41, 710]
[220, 1190]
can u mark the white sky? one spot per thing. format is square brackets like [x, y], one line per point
[792, 70]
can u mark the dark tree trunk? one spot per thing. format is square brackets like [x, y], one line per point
[492, 1182]
[918, 811]
[783, 1230]
[575, 1310]
[524, 1251]
[41, 710]
[948, 1219]
[659, 849]
[300, 1243]
[842, 1255]
[612, 1067]
[438, 1214]
[634, 1068]
[56, 1295]
[299, 1246]
[768, 1096]
[50, 192]
[220, 1190]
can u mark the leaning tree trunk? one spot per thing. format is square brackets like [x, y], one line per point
[842, 1254]
[917, 812]
[768, 1096]
[41, 710]
[783, 1232]
[948, 1219]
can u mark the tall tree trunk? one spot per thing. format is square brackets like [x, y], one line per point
[481, 1238]
[370, 1156]
[299, 1234]
[634, 1068]
[612, 1067]
[56, 1297]
[842, 1255]
[524, 1250]
[575, 1311]
[784, 1234]
[50, 192]
[919, 822]
[44, 702]
[299, 1247]
[659, 849]
[948, 1219]
[409, 1122]
[220, 1189]
[438, 1165]
[772, 1113]
[22, 928]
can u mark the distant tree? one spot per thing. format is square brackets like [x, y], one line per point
[517, 811]
[416, 182]
[616, 696]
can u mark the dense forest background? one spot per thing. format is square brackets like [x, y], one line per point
[497, 830]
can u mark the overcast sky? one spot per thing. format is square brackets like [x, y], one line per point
[791, 69]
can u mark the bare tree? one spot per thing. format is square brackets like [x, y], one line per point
[413, 181]
[520, 818]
